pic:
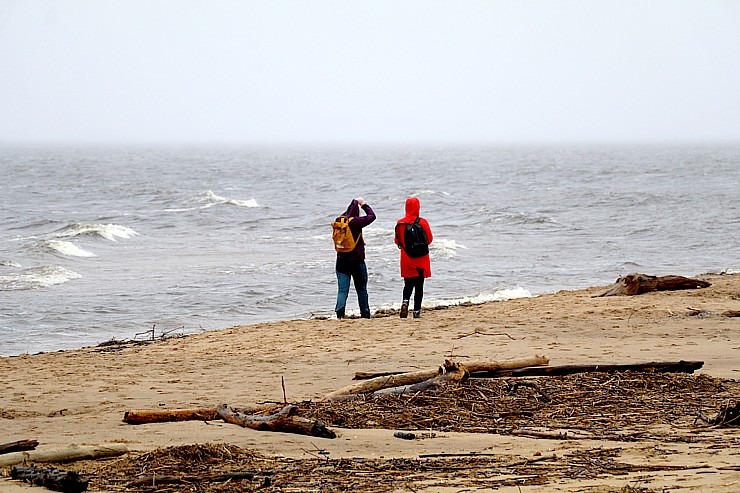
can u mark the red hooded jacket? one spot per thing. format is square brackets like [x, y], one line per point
[410, 266]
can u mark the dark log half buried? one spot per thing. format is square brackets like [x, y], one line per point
[18, 446]
[53, 479]
[634, 284]
[556, 371]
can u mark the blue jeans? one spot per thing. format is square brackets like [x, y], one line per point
[358, 273]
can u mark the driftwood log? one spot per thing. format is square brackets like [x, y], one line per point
[143, 416]
[634, 284]
[18, 446]
[53, 479]
[558, 371]
[283, 421]
[411, 378]
[148, 416]
[66, 454]
[453, 373]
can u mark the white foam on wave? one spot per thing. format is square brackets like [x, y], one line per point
[107, 231]
[500, 295]
[209, 199]
[37, 277]
[9, 263]
[479, 299]
[429, 193]
[444, 248]
[67, 248]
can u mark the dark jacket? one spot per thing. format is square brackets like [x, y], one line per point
[356, 225]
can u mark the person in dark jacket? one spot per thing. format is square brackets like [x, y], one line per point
[413, 270]
[351, 265]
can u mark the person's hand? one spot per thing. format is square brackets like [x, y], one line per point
[360, 201]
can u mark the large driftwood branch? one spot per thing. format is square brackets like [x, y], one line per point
[411, 378]
[557, 371]
[66, 454]
[143, 416]
[634, 284]
[284, 421]
[53, 479]
[147, 416]
[18, 446]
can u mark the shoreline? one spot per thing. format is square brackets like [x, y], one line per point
[381, 311]
[80, 396]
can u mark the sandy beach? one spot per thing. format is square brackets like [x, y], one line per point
[80, 396]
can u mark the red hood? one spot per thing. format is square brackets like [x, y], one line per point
[412, 208]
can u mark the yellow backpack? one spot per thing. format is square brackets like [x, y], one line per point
[342, 236]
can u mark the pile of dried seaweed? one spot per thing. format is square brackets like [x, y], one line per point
[623, 405]
[197, 464]
[618, 406]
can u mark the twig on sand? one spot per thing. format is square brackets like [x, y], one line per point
[481, 333]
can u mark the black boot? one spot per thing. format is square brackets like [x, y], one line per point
[405, 309]
[340, 314]
[364, 314]
[417, 313]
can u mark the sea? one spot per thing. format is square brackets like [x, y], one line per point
[101, 243]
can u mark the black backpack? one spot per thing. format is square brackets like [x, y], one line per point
[415, 240]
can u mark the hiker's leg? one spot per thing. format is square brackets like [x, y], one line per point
[360, 278]
[408, 287]
[342, 293]
[418, 292]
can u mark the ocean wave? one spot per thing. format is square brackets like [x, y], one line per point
[429, 193]
[444, 248]
[107, 231]
[479, 299]
[519, 218]
[207, 199]
[9, 263]
[36, 278]
[500, 295]
[65, 248]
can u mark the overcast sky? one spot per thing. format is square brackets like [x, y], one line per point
[378, 71]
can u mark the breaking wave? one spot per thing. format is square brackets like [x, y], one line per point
[207, 199]
[107, 231]
[66, 248]
[36, 278]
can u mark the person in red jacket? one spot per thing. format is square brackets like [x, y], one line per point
[413, 269]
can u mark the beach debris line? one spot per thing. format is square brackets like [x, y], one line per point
[635, 283]
[65, 454]
[18, 446]
[156, 479]
[50, 478]
[283, 421]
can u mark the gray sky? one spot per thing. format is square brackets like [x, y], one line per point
[274, 71]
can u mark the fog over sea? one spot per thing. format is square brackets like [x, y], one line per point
[99, 243]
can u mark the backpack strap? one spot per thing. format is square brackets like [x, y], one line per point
[348, 220]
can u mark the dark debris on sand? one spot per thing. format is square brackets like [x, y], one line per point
[620, 406]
